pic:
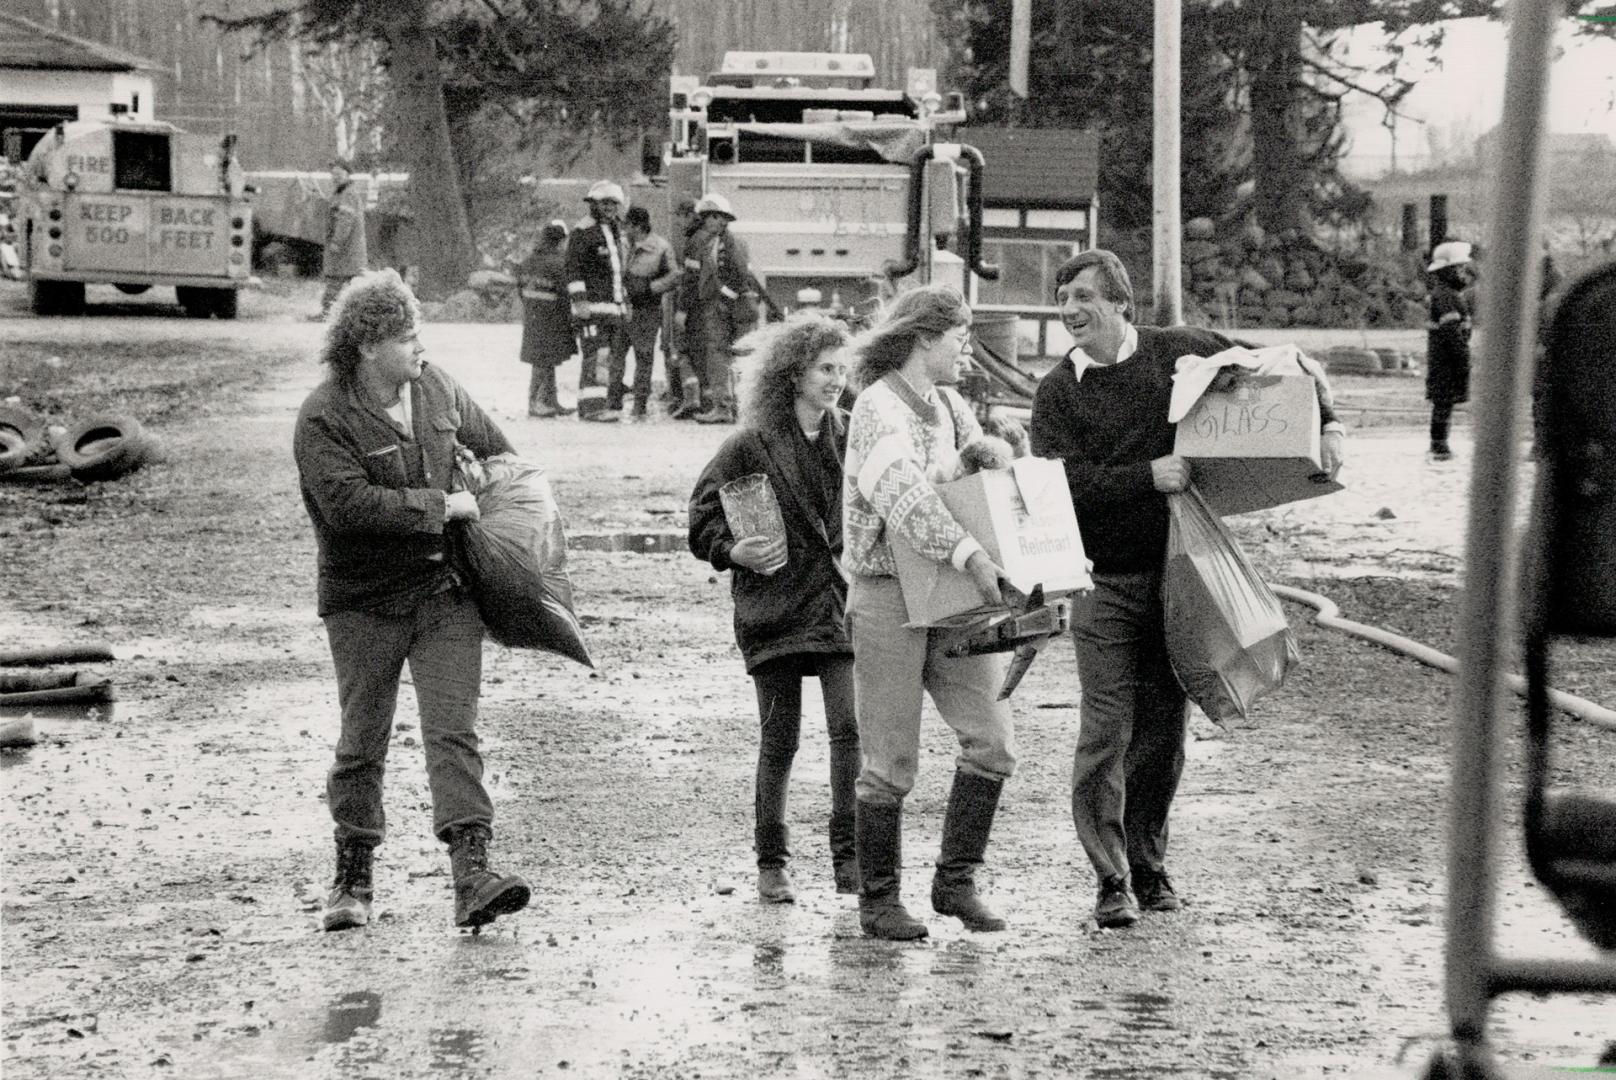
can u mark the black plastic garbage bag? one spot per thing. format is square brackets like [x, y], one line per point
[516, 558]
[1227, 637]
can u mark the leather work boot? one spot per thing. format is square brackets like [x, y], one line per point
[348, 904]
[880, 849]
[972, 802]
[1154, 890]
[481, 895]
[1115, 907]
[773, 843]
[774, 886]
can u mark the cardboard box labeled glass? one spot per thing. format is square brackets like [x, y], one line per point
[1024, 519]
[1256, 444]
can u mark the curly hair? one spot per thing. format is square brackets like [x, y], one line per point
[924, 312]
[780, 353]
[374, 306]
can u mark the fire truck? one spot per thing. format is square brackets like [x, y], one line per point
[134, 205]
[844, 192]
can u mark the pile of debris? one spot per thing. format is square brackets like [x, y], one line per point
[103, 447]
[28, 690]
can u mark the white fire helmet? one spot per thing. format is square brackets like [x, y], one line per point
[606, 189]
[714, 204]
[1449, 253]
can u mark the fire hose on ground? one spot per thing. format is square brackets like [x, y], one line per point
[1328, 616]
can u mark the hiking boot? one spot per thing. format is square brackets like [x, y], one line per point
[880, 843]
[348, 904]
[716, 415]
[606, 416]
[972, 802]
[774, 886]
[1154, 890]
[1116, 906]
[481, 895]
[1440, 452]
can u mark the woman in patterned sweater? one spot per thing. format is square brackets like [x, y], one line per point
[906, 432]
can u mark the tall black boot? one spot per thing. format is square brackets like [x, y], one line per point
[972, 802]
[481, 895]
[348, 903]
[880, 851]
[844, 770]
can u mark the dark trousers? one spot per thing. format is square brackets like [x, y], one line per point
[779, 693]
[541, 387]
[1441, 419]
[442, 639]
[604, 345]
[643, 329]
[1134, 716]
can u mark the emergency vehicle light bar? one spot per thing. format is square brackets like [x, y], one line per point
[799, 65]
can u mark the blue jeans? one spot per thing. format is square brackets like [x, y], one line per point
[443, 641]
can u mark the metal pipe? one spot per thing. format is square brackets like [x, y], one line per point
[917, 195]
[973, 216]
[1565, 976]
[1484, 627]
[1167, 212]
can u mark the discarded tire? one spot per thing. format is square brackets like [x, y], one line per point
[103, 447]
[21, 435]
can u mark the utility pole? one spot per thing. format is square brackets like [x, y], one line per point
[1020, 45]
[1166, 225]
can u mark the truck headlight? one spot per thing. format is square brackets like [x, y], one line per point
[702, 98]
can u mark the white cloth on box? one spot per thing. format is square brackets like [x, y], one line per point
[1194, 374]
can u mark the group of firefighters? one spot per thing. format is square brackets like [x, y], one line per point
[602, 290]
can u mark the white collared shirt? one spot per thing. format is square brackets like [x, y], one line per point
[1082, 361]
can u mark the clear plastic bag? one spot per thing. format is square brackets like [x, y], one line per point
[516, 557]
[751, 508]
[1227, 637]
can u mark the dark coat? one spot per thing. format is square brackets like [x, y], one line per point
[596, 259]
[547, 335]
[1447, 349]
[801, 607]
[345, 253]
[376, 494]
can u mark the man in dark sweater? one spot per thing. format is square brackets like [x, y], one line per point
[1103, 412]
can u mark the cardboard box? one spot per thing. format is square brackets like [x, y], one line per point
[1255, 445]
[1023, 517]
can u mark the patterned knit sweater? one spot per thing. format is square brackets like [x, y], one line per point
[899, 444]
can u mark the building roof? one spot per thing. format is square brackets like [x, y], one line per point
[1057, 168]
[27, 44]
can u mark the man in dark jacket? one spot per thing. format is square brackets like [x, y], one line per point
[1103, 412]
[375, 447]
[345, 253]
[597, 255]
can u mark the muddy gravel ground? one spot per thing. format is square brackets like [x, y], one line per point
[164, 856]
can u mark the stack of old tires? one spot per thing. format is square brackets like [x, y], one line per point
[102, 447]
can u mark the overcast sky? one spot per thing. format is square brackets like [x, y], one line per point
[1460, 94]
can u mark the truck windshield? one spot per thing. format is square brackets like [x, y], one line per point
[140, 161]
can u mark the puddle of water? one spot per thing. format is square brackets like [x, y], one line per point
[350, 1013]
[643, 543]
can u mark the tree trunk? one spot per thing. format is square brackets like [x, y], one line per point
[1274, 65]
[446, 251]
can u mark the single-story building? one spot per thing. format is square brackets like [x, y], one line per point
[47, 77]
[1040, 204]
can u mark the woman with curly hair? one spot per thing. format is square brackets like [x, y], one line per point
[375, 448]
[907, 431]
[790, 595]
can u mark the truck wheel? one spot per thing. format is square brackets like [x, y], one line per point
[130, 290]
[193, 300]
[56, 297]
[226, 302]
[20, 435]
[103, 447]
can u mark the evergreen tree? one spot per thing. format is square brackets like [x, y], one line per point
[576, 70]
